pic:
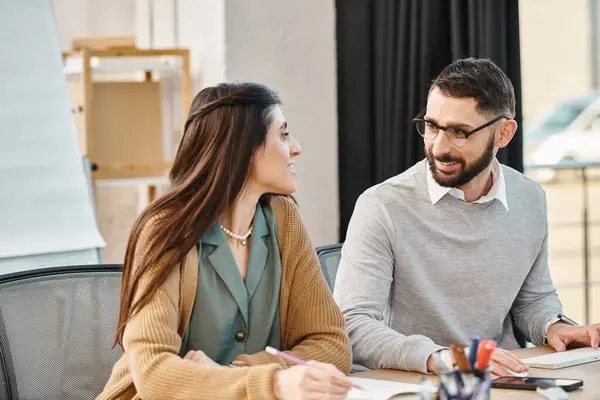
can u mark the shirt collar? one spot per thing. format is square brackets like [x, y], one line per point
[497, 191]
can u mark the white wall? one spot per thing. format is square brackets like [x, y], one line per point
[197, 25]
[80, 18]
[194, 24]
[290, 46]
[202, 30]
[555, 53]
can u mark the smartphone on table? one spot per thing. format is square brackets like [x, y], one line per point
[532, 383]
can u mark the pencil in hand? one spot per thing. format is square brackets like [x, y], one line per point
[290, 358]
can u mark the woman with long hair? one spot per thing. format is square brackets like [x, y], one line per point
[221, 266]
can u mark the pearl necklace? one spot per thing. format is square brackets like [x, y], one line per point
[237, 236]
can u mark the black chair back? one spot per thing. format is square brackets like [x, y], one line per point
[57, 328]
[329, 257]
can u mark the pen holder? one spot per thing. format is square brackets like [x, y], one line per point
[464, 386]
[460, 375]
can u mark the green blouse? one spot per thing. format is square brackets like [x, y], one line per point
[232, 316]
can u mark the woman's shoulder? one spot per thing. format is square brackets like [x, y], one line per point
[284, 204]
[290, 225]
[148, 228]
[148, 242]
[286, 211]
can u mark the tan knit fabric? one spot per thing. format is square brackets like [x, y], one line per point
[312, 327]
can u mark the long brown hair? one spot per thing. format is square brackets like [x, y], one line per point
[226, 125]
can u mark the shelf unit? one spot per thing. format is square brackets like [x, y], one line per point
[118, 120]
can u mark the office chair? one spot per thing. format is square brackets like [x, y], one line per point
[329, 257]
[57, 328]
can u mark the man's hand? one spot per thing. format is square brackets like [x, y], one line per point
[431, 366]
[503, 359]
[499, 362]
[561, 335]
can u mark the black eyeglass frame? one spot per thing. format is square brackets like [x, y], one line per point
[419, 118]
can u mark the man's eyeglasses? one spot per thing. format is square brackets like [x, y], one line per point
[458, 137]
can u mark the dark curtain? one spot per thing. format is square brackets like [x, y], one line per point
[388, 52]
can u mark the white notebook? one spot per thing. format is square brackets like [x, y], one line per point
[564, 359]
[380, 390]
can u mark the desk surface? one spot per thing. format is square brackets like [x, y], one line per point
[589, 373]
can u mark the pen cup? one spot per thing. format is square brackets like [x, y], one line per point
[464, 386]
[459, 377]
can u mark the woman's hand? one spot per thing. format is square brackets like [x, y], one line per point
[316, 381]
[199, 357]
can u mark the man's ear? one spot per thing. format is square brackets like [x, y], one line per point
[505, 132]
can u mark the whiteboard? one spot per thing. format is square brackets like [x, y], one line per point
[45, 203]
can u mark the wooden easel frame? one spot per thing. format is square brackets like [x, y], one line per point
[86, 55]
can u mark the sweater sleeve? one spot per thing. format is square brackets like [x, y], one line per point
[537, 301]
[314, 326]
[368, 258]
[151, 344]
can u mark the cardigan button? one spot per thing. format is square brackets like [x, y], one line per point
[240, 336]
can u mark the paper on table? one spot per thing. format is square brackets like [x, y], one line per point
[380, 390]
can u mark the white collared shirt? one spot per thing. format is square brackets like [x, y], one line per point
[498, 190]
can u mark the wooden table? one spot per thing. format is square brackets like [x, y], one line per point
[589, 373]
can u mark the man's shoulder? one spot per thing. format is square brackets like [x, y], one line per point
[396, 188]
[521, 185]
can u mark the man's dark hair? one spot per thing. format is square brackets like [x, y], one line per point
[479, 79]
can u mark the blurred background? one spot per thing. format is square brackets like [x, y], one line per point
[351, 73]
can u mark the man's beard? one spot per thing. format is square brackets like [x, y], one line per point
[466, 173]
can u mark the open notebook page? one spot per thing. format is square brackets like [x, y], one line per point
[380, 390]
